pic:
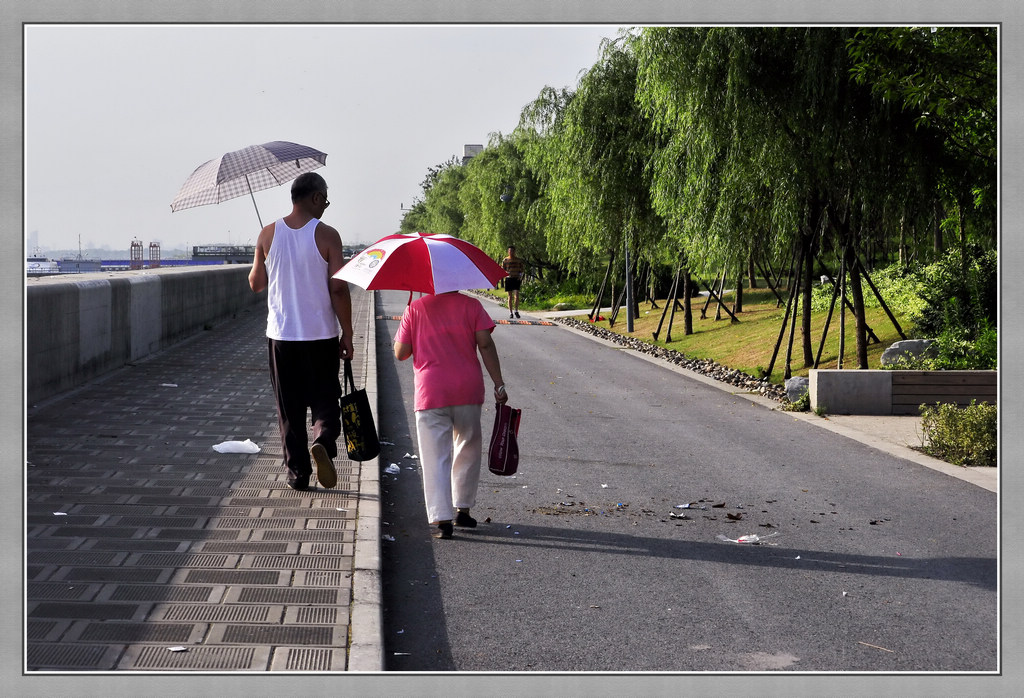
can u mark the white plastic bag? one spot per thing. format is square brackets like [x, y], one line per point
[246, 446]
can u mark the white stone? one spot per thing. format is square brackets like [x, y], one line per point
[907, 349]
[796, 387]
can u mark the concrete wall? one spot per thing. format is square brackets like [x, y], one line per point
[82, 326]
[872, 392]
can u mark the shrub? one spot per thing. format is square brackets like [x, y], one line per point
[955, 350]
[802, 404]
[900, 286]
[960, 435]
[959, 294]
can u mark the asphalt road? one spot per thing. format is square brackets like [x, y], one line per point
[588, 563]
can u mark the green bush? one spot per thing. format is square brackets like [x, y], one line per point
[959, 294]
[537, 294]
[900, 286]
[955, 350]
[960, 435]
[802, 404]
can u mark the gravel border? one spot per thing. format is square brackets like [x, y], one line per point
[705, 367]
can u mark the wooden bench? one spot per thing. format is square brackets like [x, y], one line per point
[911, 389]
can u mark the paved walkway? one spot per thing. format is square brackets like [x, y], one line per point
[147, 550]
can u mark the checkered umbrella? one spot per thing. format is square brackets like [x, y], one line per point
[421, 262]
[247, 170]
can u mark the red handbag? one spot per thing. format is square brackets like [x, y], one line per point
[503, 458]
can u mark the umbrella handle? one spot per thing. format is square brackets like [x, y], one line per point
[410, 298]
[254, 202]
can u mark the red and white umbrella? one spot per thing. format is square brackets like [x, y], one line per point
[422, 262]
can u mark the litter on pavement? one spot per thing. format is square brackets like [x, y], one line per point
[752, 539]
[246, 446]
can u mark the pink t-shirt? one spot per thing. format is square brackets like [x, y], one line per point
[442, 331]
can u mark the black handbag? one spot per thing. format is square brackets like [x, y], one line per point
[357, 421]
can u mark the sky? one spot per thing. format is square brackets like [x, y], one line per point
[118, 116]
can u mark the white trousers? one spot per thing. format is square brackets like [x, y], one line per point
[450, 448]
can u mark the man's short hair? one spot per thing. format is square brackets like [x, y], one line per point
[306, 184]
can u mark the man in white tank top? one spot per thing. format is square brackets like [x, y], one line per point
[295, 261]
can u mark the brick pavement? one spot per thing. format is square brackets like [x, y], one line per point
[141, 538]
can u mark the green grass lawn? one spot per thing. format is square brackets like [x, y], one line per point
[747, 345]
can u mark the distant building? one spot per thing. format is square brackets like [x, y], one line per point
[227, 254]
[78, 264]
[471, 151]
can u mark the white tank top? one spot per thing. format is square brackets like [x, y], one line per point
[298, 298]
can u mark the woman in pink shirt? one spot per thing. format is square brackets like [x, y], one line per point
[443, 334]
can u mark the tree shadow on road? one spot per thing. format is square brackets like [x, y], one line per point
[980, 572]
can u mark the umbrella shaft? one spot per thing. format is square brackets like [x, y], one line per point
[254, 202]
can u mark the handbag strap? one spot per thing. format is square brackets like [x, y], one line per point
[350, 383]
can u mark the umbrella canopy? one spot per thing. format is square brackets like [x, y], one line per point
[244, 171]
[422, 262]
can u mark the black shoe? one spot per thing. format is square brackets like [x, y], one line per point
[517, 315]
[299, 483]
[444, 530]
[325, 473]
[511, 316]
[462, 518]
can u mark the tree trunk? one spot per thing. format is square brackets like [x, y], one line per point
[768, 280]
[857, 291]
[721, 291]
[963, 240]
[670, 303]
[903, 240]
[805, 316]
[842, 316]
[596, 312]
[785, 319]
[937, 246]
[687, 306]
[751, 274]
[630, 300]
[737, 303]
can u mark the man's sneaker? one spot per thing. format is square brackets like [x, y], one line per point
[325, 473]
[517, 315]
[462, 518]
[511, 316]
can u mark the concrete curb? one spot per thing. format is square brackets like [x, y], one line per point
[366, 621]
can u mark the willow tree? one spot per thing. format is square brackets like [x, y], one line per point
[444, 210]
[944, 78]
[596, 158]
[774, 131]
[437, 211]
[724, 178]
[498, 200]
